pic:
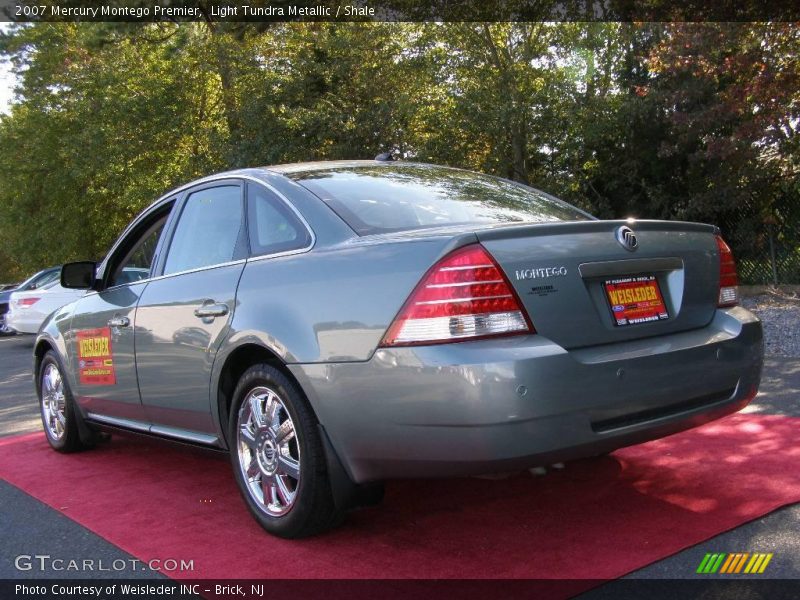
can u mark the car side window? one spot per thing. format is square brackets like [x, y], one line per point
[273, 227]
[138, 261]
[43, 280]
[208, 229]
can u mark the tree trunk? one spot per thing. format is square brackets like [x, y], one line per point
[221, 49]
[519, 151]
[516, 121]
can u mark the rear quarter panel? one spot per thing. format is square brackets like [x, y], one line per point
[332, 304]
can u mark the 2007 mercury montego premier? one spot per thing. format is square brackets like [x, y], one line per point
[337, 324]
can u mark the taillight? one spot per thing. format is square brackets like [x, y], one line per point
[728, 279]
[463, 296]
[27, 302]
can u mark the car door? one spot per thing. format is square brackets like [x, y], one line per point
[101, 348]
[185, 313]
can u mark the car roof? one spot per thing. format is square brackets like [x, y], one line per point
[286, 169]
[290, 170]
[324, 165]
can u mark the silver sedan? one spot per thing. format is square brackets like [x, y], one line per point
[335, 325]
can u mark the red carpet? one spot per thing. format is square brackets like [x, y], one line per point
[597, 519]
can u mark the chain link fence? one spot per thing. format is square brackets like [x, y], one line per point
[766, 245]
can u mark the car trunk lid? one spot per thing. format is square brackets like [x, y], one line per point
[560, 272]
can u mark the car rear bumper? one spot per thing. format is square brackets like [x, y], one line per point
[511, 403]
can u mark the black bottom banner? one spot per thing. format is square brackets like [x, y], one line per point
[336, 589]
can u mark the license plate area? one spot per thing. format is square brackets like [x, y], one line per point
[634, 300]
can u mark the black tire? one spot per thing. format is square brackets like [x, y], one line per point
[70, 439]
[312, 509]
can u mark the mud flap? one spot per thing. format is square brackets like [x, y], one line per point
[89, 435]
[347, 494]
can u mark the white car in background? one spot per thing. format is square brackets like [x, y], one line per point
[28, 309]
[36, 281]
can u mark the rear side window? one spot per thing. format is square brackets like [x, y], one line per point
[273, 226]
[41, 280]
[382, 198]
[208, 229]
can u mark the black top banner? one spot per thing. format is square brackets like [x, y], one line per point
[397, 10]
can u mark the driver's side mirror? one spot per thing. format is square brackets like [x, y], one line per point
[78, 275]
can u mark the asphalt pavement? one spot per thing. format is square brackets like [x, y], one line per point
[18, 410]
[29, 527]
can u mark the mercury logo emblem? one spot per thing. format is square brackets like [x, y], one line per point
[627, 238]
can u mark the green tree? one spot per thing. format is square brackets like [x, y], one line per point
[692, 121]
[109, 119]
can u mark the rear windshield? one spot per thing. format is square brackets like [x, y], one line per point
[383, 198]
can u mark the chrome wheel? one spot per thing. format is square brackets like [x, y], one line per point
[269, 452]
[53, 402]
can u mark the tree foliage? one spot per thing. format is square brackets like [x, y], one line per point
[693, 121]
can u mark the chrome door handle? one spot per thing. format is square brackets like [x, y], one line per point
[119, 322]
[211, 310]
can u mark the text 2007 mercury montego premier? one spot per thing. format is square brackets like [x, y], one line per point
[335, 325]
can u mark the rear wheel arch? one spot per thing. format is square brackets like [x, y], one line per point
[42, 348]
[346, 494]
[235, 365]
